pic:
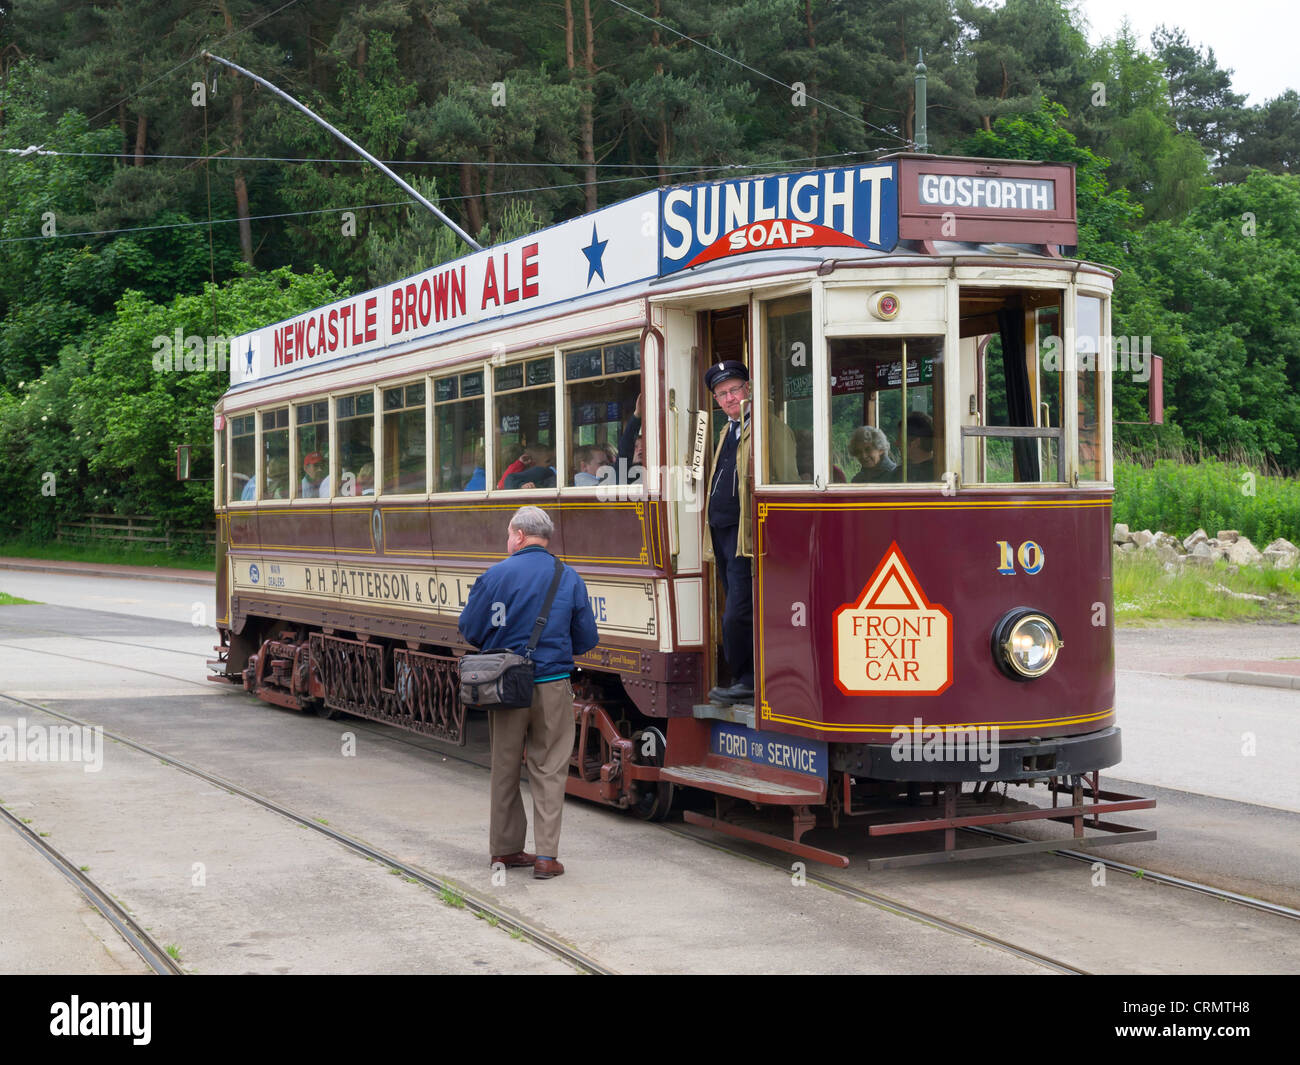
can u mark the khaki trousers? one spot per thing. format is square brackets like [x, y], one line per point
[546, 729]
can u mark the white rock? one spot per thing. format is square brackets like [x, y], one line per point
[1121, 535]
[1242, 552]
[1228, 536]
[1202, 549]
[1281, 554]
[1198, 537]
[1168, 540]
[1127, 548]
[1143, 538]
[1166, 552]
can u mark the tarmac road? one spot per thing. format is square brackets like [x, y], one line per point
[636, 897]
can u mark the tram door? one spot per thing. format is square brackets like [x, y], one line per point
[726, 337]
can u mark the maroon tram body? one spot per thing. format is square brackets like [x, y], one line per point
[916, 640]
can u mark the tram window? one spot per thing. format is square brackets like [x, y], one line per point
[275, 454]
[458, 432]
[886, 424]
[1091, 467]
[354, 467]
[404, 468]
[788, 412]
[524, 398]
[1012, 374]
[312, 431]
[602, 384]
[243, 456]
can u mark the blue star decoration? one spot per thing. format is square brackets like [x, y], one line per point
[595, 252]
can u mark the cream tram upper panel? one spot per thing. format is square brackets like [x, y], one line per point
[686, 236]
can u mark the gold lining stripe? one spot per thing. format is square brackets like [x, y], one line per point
[823, 726]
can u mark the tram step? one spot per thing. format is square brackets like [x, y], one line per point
[740, 715]
[740, 785]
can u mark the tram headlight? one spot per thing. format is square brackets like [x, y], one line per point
[1026, 643]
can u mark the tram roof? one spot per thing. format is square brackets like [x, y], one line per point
[906, 207]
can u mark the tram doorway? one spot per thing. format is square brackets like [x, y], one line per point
[725, 333]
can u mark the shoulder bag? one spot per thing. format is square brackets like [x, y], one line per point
[503, 680]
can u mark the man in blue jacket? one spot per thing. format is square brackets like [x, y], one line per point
[499, 615]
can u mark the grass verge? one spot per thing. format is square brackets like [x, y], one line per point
[1144, 591]
[106, 556]
[13, 600]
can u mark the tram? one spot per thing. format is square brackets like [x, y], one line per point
[921, 635]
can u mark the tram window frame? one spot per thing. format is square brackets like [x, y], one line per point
[475, 378]
[779, 463]
[895, 419]
[406, 406]
[247, 422]
[361, 397]
[529, 368]
[1026, 445]
[604, 351]
[317, 405]
[273, 422]
[1099, 374]
[220, 465]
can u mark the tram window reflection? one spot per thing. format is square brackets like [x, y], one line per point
[788, 411]
[524, 397]
[312, 438]
[275, 454]
[602, 385]
[886, 424]
[458, 432]
[404, 465]
[243, 455]
[356, 436]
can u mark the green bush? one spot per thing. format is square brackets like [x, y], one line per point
[1179, 497]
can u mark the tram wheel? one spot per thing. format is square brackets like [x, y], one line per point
[329, 713]
[653, 800]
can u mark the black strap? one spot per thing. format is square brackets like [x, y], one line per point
[542, 618]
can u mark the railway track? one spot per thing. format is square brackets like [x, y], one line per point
[136, 937]
[877, 899]
[511, 922]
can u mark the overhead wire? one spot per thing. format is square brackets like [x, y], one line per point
[761, 74]
[392, 203]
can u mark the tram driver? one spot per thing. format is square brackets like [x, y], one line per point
[728, 513]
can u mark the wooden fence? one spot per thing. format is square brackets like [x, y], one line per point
[142, 532]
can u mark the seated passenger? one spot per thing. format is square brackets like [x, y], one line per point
[541, 474]
[870, 447]
[478, 479]
[313, 474]
[517, 458]
[631, 449]
[920, 448]
[277, 478]
[591, 459]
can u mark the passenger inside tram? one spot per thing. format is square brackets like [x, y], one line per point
[541, 474]
[870, 447]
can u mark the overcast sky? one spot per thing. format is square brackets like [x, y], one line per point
[1255, 39]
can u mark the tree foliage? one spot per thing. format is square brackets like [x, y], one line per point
[201, 201]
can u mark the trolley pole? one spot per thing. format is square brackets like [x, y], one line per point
[353, 145]
[922, 135]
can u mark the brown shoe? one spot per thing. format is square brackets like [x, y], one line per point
[545, 868]
[518, 860]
